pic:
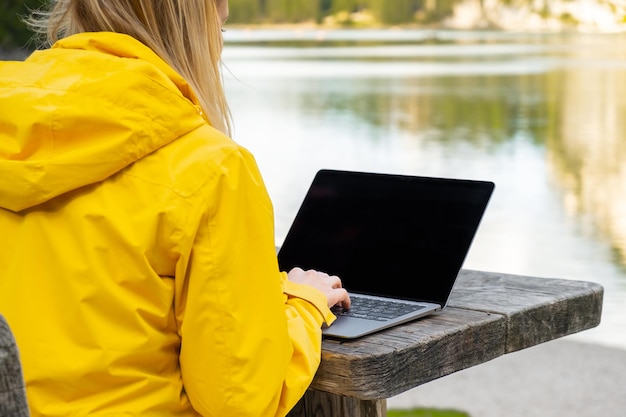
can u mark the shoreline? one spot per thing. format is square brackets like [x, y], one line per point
[18, 53]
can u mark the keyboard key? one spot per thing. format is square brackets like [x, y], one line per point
[374, 309]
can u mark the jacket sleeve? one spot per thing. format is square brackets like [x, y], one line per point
[250, 339]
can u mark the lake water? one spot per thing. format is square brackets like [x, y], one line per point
[541, 115]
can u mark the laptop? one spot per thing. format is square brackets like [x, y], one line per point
[392, 239]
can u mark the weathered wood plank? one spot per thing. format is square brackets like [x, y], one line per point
[488, 315]
[537, 309]
[321, 404]
[388, 363]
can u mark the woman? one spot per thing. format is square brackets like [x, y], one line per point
[138, 269]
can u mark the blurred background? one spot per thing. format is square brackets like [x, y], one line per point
[528, 94]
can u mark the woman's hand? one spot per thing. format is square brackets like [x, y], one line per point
[329, 285]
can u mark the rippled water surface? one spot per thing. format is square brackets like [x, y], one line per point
[541, 115]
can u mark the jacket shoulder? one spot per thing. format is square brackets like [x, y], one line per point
[194, 161]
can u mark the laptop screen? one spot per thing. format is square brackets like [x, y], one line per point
[390, 235]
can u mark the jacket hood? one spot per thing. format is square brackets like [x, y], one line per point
[83, 110]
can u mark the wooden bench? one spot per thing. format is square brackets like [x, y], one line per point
[488, 315]
[12, 390]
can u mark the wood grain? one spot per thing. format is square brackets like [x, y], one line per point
[488, 315]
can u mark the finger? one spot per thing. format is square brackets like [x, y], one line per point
[335, 281]
[340, 297]
[296, 269]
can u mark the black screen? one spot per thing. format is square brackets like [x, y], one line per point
[392, 235]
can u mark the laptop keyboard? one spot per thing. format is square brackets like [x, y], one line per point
[375, 309]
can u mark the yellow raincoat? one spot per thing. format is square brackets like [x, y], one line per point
[137, 259]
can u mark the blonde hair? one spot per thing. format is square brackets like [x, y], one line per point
[184, 33]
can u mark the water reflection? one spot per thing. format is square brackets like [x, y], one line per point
[537, 114]
[587, 150]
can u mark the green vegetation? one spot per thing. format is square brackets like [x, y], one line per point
[426, 412]
[14, 34]
[331, 13]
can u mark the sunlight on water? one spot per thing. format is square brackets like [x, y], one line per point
[538, 115]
